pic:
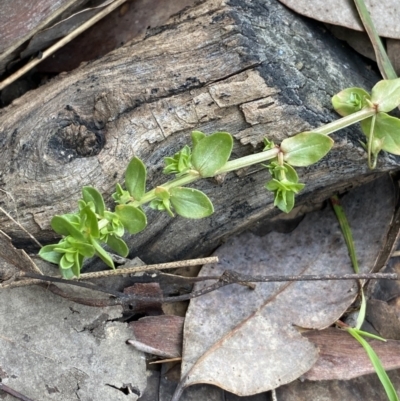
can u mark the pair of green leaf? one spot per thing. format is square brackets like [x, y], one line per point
[210, 153]
[381, 130]
[186, 202]
[385, 96]
[284, 184]
[69, 254]
[300, 150]
[180, 163]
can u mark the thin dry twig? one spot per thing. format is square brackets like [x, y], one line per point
[26, 280]
[227, 278]
[14, 393]
[177, 359]
[144, 268]
[52, 49]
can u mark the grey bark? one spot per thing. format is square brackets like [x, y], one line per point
[252, 68]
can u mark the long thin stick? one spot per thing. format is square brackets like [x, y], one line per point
[158, 266]
[61, 43]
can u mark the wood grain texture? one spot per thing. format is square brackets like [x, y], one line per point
[251, 68]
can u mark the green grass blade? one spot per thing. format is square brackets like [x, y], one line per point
[346, 230]
[376, 363]
[348, 237]
[363, 310]
[384, 64]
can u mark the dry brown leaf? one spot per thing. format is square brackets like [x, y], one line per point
[20, 20]
[128, 22]
[366, 388]
[163, 333]
[384, 318]
[48, 36]
[245, 341]
[384, 13]
[341, 357]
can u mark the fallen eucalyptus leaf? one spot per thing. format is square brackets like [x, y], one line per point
[341, 357]
[246, 341]
[344, 13]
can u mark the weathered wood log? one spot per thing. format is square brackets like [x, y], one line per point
[249, 67]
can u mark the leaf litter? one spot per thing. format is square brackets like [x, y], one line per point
[248, 341]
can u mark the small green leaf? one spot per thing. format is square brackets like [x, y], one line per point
[133, 219]
[197, 136]
[84, 249]
[117, 245]
[268, 144]
[284, 201]
[67, 274]
[90, 222]
[70, 256]
[90, 194]
[47, 253]
[135, 178]
[212, 153]
[65, 263]
[180, 163]
[103, 255]
[386, 131]
[350, 100]
[191, 203]
[386, 94]
[62, 225]
[305, 148]
[120, 195]
[77, 266]
[162, 205]
[162, 193]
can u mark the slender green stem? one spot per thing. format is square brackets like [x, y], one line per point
[249, 160]
[371, 164]
[193, 176]
[345, 121]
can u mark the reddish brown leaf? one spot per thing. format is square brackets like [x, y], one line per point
[163, 333]
[341, 357]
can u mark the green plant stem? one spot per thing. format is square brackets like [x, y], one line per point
[345, 121]
[193, 176]
[371, 164]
